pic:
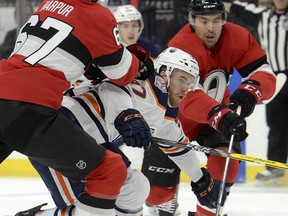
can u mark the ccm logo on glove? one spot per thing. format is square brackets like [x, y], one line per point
[251, 88]
[227, 122]
[133, 128]
[210, 187]
[246, 96]
[216, 116]
[207, 189]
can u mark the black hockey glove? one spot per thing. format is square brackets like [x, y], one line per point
[207, 190]
[247, 96]
[227, 122]
[133, 128]
[94, 73]
[146, 64]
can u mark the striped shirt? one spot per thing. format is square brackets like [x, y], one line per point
[272, 30]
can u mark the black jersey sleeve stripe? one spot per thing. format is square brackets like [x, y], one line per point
[245, 71]
[111, 59]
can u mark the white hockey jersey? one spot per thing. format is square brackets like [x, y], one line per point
[100, 105]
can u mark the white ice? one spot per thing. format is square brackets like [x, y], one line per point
[245, 200]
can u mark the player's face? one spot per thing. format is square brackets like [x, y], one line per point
[208, 29]
[180, 82]
[129, 32]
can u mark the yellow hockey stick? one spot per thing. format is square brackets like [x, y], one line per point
[241, 157]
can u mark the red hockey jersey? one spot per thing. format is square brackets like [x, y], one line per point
[57, 45]
[236, 49]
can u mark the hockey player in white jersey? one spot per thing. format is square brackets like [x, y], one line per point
[155, 98]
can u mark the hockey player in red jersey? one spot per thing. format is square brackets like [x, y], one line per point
[219, 48]
[61, 41]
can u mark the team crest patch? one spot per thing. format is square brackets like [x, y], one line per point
[160, 83]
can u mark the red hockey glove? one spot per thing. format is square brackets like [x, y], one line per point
[222, 119]
[207, 190]
[133, 128]
[247, 96]
[146, 64]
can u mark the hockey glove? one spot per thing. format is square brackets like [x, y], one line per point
[222, 119]
[94, 73]
[247, 96]
[207, 190]
[133, 128]
[146, 64]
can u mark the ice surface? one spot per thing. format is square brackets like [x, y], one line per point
[245, 200]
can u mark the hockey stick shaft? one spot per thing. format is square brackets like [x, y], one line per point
[222, 188]
[218, 152]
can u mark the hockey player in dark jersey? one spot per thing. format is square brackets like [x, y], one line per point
[60, 42]
[219, 48]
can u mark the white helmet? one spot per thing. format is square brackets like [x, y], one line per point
[174, 58]
[128, 13]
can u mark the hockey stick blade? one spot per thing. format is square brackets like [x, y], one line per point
[280, 81]
[207, 150]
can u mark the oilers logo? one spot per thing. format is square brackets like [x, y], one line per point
[172, 50]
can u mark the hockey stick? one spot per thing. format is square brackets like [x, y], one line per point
[222, 188]
[241, 157]
[280, 81]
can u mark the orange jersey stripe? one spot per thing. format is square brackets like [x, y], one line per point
[169, 118]
[175, 149]
[94, 104]
[64, 186]
[186, 140]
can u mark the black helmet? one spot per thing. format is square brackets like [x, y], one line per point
[206, 7]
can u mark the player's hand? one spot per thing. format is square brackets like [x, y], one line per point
[146, 66]
[93, 72]
[228, 122]
[133, 128]
[247, 96]
[207, 190]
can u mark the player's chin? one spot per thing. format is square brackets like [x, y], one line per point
[177, 102]
[210, 42]
[132, 41]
